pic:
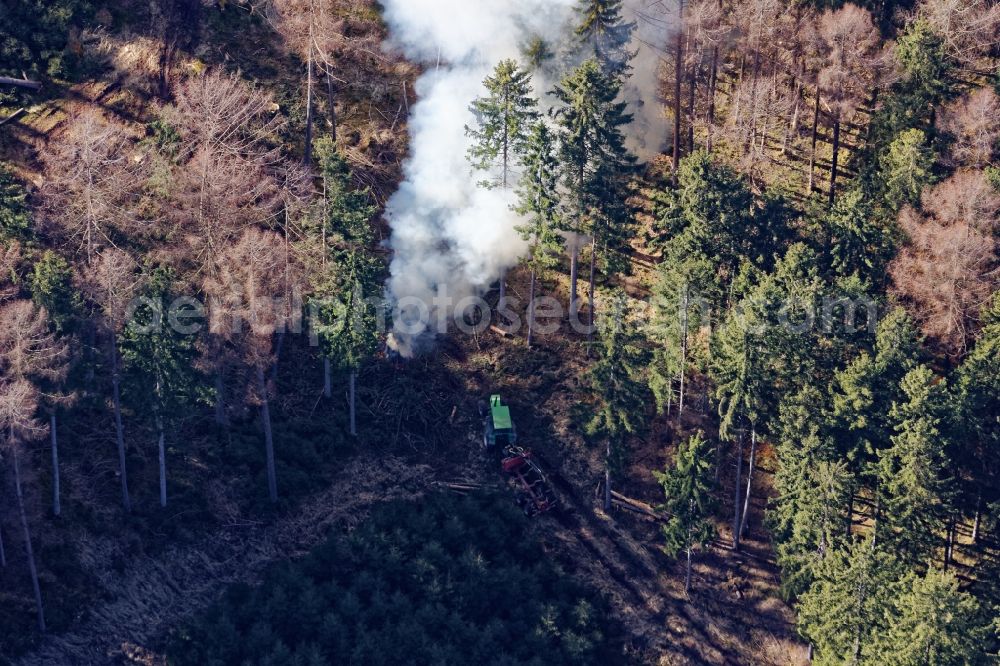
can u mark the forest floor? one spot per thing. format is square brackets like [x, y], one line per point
[420, 430]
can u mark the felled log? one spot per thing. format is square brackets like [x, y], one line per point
[499, 331]
[636, 506]
[14, 116]
[23, 83]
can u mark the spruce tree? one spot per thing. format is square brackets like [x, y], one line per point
[710, 213]
[806, 517]
[348, 277]
[158, 361]
[977, 400]
[15, 218]
[914, 490]
[845, 608]
[689, 501]
[596, 169]
[861, 243]
[616, 385]
[538, 203]
[933, 622]
[740, 374]
[51, 285]
[504, 118]
[866, 389]
[603, 29]
[684, 295]
[907, 168]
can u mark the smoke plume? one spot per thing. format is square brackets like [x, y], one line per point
[451, 238]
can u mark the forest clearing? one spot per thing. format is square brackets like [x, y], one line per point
[499, 331]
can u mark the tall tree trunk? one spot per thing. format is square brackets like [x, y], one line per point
[950, 543]
[850, 513]
[678, 57]
[713, 84]
[265, 417]
[28, 550]
[220, 402]
[331, 104]
[836, 154]
[54, 439]
[979, 516]
[307, 153]
[692, 94]
[793, 128]
[607, 477]
[684, 348]
[590, 297]
[327, 383]
[119, 429]
[687, 573]
[746, 502]
[736, 499]
[574, 262]
[503, 288]
[812, 149]
[531, 307]
[351, 383]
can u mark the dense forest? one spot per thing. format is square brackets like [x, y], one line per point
[734, 265]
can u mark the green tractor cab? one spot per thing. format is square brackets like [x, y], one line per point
[498, 428]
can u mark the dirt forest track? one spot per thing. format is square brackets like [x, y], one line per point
[154, 594]
[642, 584]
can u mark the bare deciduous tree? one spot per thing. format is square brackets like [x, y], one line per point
[93, 175]
[970, 28]
[950, 267]
[29, 354]
[111, 283]
[312, 30]
[972, 122]
[251, 301]
[851, 61]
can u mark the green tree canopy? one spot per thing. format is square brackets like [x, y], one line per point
[504, 116]
[603, 29]
[689, 501]
[933, 622]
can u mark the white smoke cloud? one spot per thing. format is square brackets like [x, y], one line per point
[450, 237]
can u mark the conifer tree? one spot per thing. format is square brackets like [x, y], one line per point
[845, 608]
[710, 213]
[933, 622]
[689, 501]
[860, 242]
[866, 389]
[15, 219]
[807, 516]
[977, 399]
[740, 375]
[347, 279]
[684, 294]
[504, 119]
[907, 168]
[159, 366]
[616, 384]
[913, 486]
[596, 167]
[51, 285]
[538, 203]
[603, 29]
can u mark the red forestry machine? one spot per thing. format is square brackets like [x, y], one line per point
[532, 490]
